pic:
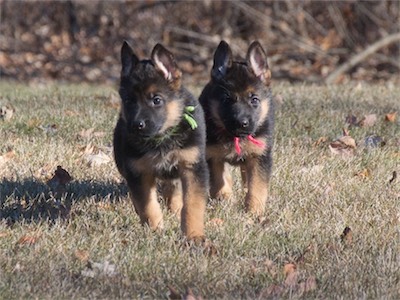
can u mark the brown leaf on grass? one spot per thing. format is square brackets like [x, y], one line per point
[4, 234]
[114, 101]
[391, 117]
[89, 133]
[6, 157]
[363, 174]
[347, 236]
[270, 267]
[344, 146]
[291, 274]
[368, 120]
[28, 240]
[351, 120]
[189, 295]
[44, 172]
[58, 182]
[49, 128]
[274, 290]
[322, 140]
[216, 222]
[307, 286]
[174, 293]
[97, 159]
[6, 112]
[394, 177]
[82, 255]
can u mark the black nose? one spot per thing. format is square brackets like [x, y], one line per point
[244, 123]
[140, 125]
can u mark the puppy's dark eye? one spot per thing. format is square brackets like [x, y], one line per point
[254, 100]
[156, 100]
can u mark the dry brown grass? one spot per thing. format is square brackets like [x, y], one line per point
[89, 243]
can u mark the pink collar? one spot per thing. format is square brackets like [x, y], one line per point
[236, 141]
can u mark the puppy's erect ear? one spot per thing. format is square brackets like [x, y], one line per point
[257, 61]
[222, 60]
[128, 59]
[165, 63]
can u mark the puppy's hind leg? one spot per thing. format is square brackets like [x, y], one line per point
[171, 191]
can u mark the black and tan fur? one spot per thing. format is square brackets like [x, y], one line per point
[153, 141]
[237, 103]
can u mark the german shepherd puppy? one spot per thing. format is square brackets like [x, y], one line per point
[160, 134]
[239, 116]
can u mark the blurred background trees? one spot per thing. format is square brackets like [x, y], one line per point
[77, 41]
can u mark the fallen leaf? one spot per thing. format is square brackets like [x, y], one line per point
[89, 133]
[307, 286]
[351, 120]
[344, 146]
[6, 112]
[58, 182]
[291, 274]
[62, 175]
[314, 170]
[27, 240]
[6, 157]
[322, 140]
[114, 101]
[86, 133]
[4, 234]
[97, 159]
[374, 141]
[44, 172]
[368, 120]
[363, 174]
[216, 222]
[49, 129]
[274, 290]
[173, 293]
[100, 269]
[394, 177]
[391, 117]
[82, 255]
[189, 295]
[347, 236]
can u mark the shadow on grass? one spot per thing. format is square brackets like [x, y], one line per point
[31, 200]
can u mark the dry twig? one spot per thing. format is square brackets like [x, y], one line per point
[387, 40]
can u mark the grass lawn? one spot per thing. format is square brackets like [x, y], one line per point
[81, 238]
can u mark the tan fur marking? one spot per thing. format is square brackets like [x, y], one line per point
[153, 161]
[189, 156]
[257, 194]
[148, 208]
[221, 180]
[264, 111]
[151, 89]
[194, 206]
[174, 113]
[172, 194]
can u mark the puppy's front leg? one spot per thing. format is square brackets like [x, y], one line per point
[257, 184]
[195, 193]
[144, 197]
[221, 180]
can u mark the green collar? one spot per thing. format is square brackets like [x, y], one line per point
[188, 116]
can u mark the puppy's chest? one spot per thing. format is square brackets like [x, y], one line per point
[236, 153]
[165, 164]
